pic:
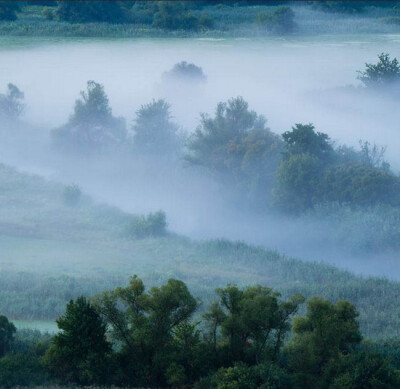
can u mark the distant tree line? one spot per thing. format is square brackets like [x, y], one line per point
[154, 338]
[293, 172]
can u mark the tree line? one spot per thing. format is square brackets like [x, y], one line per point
[248, 338]
[293, 172]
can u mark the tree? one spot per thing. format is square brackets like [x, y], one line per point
[249, 325]
[280, 21]
[11, 103]
[186, 72]
[327, 333]
[385, 73]
[8, 10]
[304, 140]
[147, 325]
[154, 132]
[80, 351]
[91, 127]
[90, 11]
[7, 331]
[238, 148]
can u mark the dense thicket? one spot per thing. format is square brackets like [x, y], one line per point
[135, 337]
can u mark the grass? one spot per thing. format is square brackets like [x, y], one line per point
[51, 252]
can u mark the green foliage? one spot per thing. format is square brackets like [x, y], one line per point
[384, 73]
[90, 11]
[9, 10]
[341, 6]
[152, 225]
[147, 324]
[312, 172]
[79, 352]
[92, 127]
[238, 148]
[365, 370]
[184, 71]
[173, 15]
[11, 103]
[249, 325]
[279, 21]
[7, 331]
[327, 333]
[72, 195]
[19, 369]
[154, 132]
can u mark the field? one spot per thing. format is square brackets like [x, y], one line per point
[51, 252]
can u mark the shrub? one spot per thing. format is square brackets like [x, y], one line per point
[185, 71]
[152, 225]
[8, 10]
[72, 195]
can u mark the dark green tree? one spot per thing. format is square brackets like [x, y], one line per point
[90, 11]
[148, 325]
[385, 73]
[9, 10]
[80, 351]
[7, 331]
[327, 333]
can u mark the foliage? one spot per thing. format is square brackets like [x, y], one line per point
[72, 195]
[238, 148]
[384, 73]
[79, 352]
[249, 325]
[280, 21]
[148, 324]
[9, 10]
[154, 132]
[152, 225]
[341, 6]
[184, 71]
[327, 333]
[7, 331]
[89, 11]
[11, 103]
[313, 172]
[92, 127]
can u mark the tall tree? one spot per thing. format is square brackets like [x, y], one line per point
[80, 351]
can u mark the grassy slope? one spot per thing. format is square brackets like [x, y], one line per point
[50, 252]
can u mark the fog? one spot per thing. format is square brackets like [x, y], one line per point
[288, 80]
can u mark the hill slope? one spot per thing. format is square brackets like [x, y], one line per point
[51, 252]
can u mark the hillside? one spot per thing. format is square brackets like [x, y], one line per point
[51, 252]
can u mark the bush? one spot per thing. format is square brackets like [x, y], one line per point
[72, 195]
[152, 225]
[186, 71]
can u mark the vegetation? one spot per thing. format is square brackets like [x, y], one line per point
[154, 134]
[184, 71]
[91, 127]
[384, 74]
[72, 195]
[130, 336]
[152, 225]
[280, 21]
[11, 103]
[9, 10]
